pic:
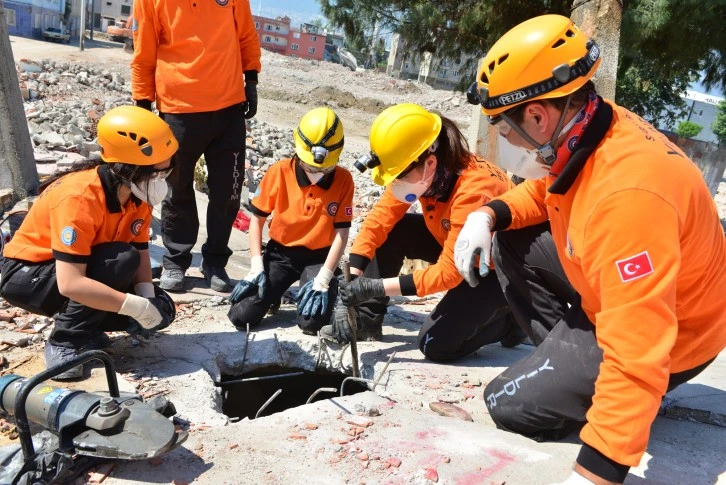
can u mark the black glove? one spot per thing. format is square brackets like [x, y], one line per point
[167, 313]
[341, 325]
[360, 290]
[168, 307]
[250, 94]
[144, 103]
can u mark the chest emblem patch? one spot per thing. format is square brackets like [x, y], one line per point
[136, 226]
[332, 208]
[446, 224]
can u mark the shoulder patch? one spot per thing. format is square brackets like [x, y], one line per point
[349, 212]
[634, 267]
[68, 236]
[136, 226]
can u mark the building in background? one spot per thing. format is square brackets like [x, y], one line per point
[702, 110]
[276, 35]
[28, 18]
[435, 71]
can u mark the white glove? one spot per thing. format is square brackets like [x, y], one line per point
[145, 289]
[575, 479]
[256, 267]
[322, 280]
[475, 239]
[142, 310]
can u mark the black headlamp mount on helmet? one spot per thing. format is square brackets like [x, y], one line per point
[367, 161]
[318, 150]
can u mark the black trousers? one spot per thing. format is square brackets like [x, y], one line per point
[466, 318]
[547, 394]
[33, 286]
[284, 266]
[220, 136]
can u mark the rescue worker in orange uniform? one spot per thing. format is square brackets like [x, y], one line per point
[81, 254]
[199, 61]
[638, 253]
[310, 199]
[421, 156]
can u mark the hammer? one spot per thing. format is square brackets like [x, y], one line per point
[353, 325]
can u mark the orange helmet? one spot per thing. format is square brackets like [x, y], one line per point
[543, 57]
[136, 136]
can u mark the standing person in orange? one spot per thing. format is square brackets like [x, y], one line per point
[638, 253]
[310, 199]
[81, 254]
[199, 62]
[419, 155]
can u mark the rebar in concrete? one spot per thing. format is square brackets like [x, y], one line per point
[260, 378]
[385, 368]
[267, 403]
[322, 389]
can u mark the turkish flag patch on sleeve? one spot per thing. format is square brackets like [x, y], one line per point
[635, 267]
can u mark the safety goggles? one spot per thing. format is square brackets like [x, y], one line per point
[408, 170]
[311, 169]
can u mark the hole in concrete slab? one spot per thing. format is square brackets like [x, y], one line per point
[243, 400]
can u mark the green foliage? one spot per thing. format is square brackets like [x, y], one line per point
[719, 124]
[665, 44]
[688, 129]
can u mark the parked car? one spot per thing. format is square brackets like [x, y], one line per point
[54, 34]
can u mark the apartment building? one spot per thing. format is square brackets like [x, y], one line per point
[28, 18]
[277, 35]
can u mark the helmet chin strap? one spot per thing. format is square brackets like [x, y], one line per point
[548, 151]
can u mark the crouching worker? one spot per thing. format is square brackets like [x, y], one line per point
[419, 155]
[81, 254]
[311, 201]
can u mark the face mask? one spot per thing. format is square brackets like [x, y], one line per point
[153, 191]
[314, 178]
[409, 192]
[520, 161]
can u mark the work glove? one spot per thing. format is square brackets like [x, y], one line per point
[151, 313]
[256, 280]
[342, 332]
[475, 239]
[144, 103]
[575, 479]
[250, 94]
[312, 299]
[359, 290]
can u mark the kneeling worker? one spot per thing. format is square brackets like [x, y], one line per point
[81, 254]
[311, 201]
[418, 155]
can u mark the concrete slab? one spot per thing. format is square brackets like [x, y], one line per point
[703, 398]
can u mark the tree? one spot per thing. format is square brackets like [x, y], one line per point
[665, 44]
[719, 124]
[688, 129]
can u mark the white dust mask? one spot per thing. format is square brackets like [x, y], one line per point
[409, 192]
[315, 177]
[521, 161]
[153, 190]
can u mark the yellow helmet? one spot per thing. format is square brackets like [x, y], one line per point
[136, 136]
[399, 135]
[319, 138]
[543, 57]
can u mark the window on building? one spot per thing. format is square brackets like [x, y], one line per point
[294, 55]
[109, 4]
[313, 38]
[125, 9]
[267, 38]
[443, 72]
[10, 17]
[296, 35]
[311, 50]
[257, 25]
[268, 27]
[455, 73]
[294, 47]
[405, 66]
[443, 63]
[277, 27]
[36, 21]
[700, 113]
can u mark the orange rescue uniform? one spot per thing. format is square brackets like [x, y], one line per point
[76, 213]
[444, 217]
[190, 56]
[304, 214]
[639, 238]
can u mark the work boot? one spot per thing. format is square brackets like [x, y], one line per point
[56, 355]
[172, 279]
[216, 277]
[98, 341]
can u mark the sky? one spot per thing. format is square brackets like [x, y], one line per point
[298, 10]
